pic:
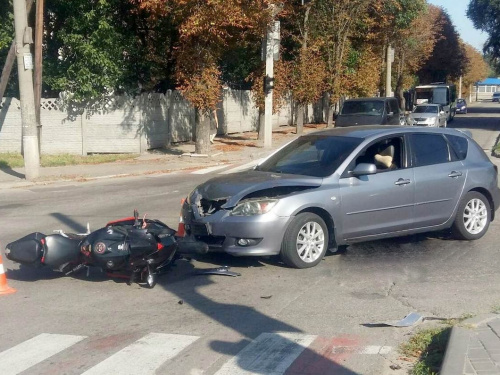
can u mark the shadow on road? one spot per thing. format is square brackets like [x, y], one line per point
[250, 323]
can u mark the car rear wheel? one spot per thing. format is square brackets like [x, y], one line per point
[473, 217]
[305, 241]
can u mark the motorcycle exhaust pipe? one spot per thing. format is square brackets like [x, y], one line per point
[189, 246]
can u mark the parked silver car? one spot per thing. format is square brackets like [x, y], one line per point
[345, 185]
[428, 115]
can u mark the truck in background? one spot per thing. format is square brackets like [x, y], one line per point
[434, 93]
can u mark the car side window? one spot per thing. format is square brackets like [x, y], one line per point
[394, 106]
[460, 145]
[386, 154]
[429, 149]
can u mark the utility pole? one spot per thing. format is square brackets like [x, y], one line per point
[38, 68]
[11, 57]
[272, 30]
[389, 61]
[271, 54]
[24, 38]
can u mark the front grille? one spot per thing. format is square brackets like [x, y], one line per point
[209, 207]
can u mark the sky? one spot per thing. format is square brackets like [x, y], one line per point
[457, 10]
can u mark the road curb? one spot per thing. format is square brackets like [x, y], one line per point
[455, 358]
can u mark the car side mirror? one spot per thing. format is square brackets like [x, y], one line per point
[364, 169]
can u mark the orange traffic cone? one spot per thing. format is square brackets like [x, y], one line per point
[181, 232]
[4, 288]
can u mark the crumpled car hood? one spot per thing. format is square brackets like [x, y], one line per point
[236, 186]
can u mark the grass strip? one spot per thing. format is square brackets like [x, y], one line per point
[427, 347]
[15, 160]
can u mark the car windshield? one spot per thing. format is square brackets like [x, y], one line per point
[311, 155]
[426, 109]
[460, 101]
[366, 108]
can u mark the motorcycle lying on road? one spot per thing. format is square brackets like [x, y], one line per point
[139, 249]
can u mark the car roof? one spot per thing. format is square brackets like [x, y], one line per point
[374, 98]
[427, 104]
[369, 131]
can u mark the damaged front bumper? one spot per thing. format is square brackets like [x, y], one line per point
[223, 232]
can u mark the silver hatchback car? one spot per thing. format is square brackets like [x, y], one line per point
[346, 185]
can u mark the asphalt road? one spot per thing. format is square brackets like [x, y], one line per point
[332, 310]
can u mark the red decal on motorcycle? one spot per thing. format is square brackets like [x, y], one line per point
[159, 246]
[120, 220]
[100, 247]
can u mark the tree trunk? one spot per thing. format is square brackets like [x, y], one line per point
[202, 144]
[300, 119]
[261, 124]
[329, 123]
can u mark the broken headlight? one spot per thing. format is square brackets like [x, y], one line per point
[254, 207]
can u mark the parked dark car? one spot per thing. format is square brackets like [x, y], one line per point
[346, 185]
[495, 97]
[370, 111]
[461, 106]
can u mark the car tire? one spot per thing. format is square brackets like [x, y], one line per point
[473, 217]
[308, 231]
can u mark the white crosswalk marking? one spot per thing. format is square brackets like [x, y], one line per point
[369, 349]
[210, 169]
[31, 352]
[269, 353]
[242, 167]
[144, 356]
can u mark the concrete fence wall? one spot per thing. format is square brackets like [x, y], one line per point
[124, 124]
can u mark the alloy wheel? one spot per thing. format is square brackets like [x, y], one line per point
[475, 216]
[310, 242]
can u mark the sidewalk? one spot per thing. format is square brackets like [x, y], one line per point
[474, 347]
[231, 149]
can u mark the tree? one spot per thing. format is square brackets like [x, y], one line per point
[477, 68]
[97, 47]
[413, 47]
[6, 40]
[333, 23]
[448, 59]
[485, 15]
[206, 29]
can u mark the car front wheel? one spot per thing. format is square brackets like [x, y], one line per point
[305, 241]
[473, 217]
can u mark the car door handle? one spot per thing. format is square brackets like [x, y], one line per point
[455, 174]
[402, 181]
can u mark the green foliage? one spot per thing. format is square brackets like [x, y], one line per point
[448, 60]
[97, 47]
[429, 347]
[6, 39]
[6, 25]
[485, 15]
